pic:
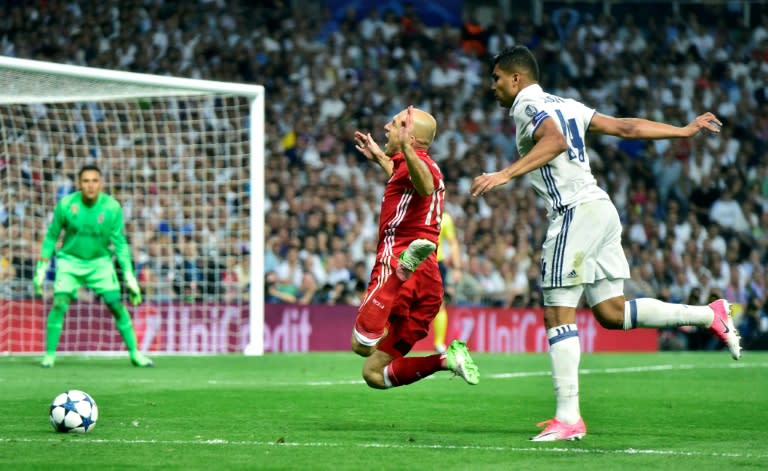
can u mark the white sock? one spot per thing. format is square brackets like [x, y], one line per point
[647, 312]
[387, 381]
[565, 352]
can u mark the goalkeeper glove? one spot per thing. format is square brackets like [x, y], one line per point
[134, 292]
[39, 278]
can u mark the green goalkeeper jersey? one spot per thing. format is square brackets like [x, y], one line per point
[88, 230]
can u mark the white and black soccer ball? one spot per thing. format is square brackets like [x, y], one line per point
[73, 411]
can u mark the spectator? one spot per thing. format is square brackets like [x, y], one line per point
[337, 269]
[290, 271]
[754, 320]
[473, 36]
[667, 172]
[234, 278]
[703, 197]
[191, 271]
[565, 20]
[277, 292]
[499, 36]
[727, 213]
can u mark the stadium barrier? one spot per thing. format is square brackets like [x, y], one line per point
[183, 328]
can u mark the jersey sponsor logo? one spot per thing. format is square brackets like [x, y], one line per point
[86, 230]
[530, 110]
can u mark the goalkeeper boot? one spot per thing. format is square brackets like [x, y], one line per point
[141, 360]
[457, 359]
[48, 360]
[723, 327]
[556, 430]
[411, 258]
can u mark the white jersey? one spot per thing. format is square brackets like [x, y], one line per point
[566, 180]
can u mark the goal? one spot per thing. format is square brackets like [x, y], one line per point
[185, 159]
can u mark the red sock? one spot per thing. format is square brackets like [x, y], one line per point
[373, 315]
[404, 370]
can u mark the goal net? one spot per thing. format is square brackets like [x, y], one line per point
[184, 158]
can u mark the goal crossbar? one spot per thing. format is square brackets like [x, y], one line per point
[144, 85]
[23, 87]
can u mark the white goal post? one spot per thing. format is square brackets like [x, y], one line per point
[184, 157]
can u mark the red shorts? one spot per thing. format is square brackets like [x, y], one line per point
[416, 305]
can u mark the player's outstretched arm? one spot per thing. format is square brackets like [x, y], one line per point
[639, 128]
[550, 143]
[365, 144]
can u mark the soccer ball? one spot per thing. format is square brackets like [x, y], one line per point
[73, 411]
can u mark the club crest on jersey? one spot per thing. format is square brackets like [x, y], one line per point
[101, 218]
[74, 209]
[530, 110]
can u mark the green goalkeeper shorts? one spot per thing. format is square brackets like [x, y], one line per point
[72, 273]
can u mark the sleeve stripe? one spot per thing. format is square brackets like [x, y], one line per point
[537, 120]
[589, 121]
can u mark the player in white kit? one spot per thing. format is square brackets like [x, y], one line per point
[582, 252]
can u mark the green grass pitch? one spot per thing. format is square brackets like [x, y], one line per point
[687, 411]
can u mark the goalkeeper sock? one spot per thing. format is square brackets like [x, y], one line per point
[440, 325]
[55, 322]
[404, 371]
[124, 326]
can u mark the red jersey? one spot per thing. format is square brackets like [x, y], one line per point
[406, 215]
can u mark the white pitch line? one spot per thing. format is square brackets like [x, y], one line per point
[494, 376]
[585, 371]
[629, 369]
[592, 371]
[504, 449]
[518, 374]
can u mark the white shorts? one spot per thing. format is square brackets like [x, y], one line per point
[584, 246]
[596, 293]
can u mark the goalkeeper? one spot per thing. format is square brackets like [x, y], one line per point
[91, 221]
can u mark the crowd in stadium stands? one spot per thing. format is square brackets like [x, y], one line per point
[695, 210]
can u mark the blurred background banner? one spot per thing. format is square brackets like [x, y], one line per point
[302, 328]
[204, 327]
[521, 330]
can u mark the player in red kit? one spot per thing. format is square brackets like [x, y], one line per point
[405, 290]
